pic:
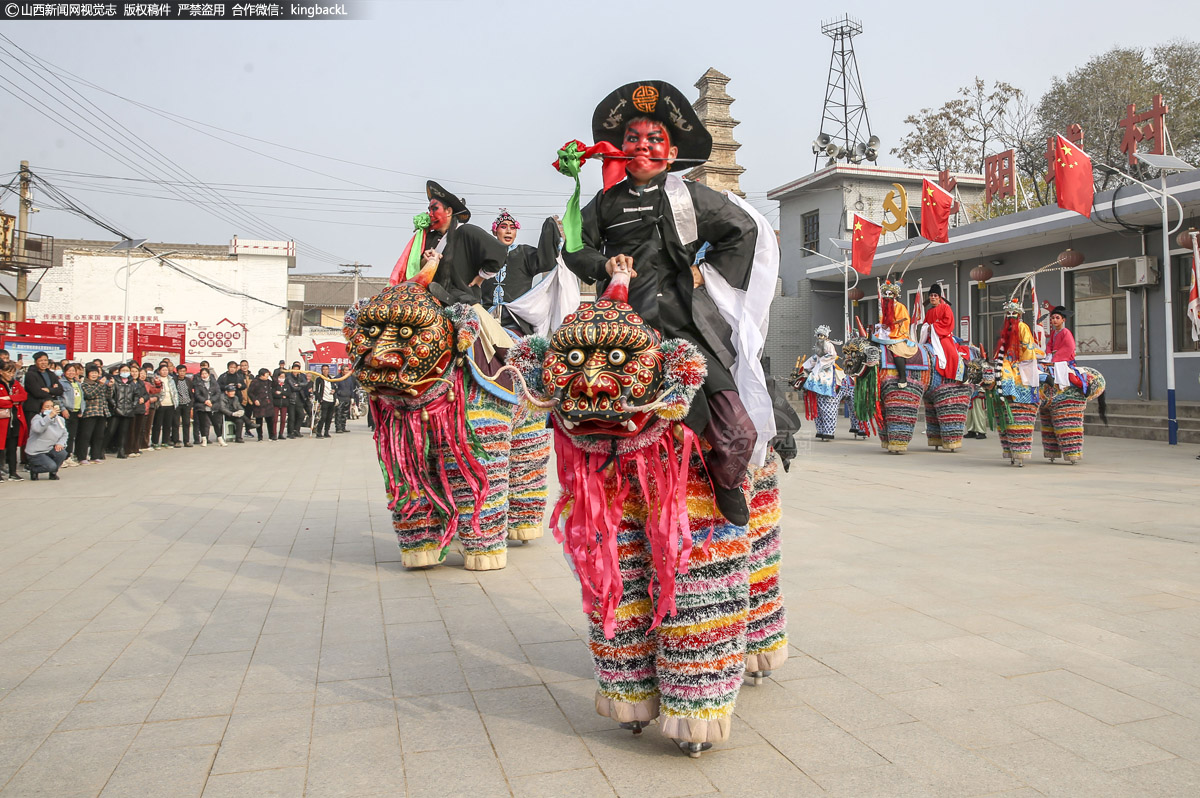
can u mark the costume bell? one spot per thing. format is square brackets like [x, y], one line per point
[659, 223]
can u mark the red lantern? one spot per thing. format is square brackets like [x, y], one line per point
[1070, 258]
[981, 274]
[1185, 238]
[856, 294]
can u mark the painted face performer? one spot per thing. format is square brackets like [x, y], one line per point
[522, 264]
[468, 254]
[894, 318]
[940, 317]
[656, 223]
[824, 385]
[1018, 382]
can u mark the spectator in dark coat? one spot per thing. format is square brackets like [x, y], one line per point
[299, 407]
[325, 395]
[282, 394]
[205, 395]
[126, 398]
[229, 406]
[344, 392]
[40, 384]
[184, 391]
[260, 400]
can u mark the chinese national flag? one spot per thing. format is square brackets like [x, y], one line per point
[1193, 306]
[863, 244]
[1073, 173]
[936, 204]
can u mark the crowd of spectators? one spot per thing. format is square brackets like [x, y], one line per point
[59, 415]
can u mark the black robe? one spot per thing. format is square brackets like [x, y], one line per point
[470, 251]
[627, 221]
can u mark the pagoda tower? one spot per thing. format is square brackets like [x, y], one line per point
[721, 171]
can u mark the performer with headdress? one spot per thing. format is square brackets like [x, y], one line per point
[656, 223]
[895, 333]
[522, 264]
[1019, 383]
[824, 385]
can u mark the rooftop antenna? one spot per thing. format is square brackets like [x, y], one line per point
[845, 127]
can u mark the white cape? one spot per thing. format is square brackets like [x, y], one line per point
[545, 305]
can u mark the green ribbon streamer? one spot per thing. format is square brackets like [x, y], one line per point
[420, 225]
[569, 162]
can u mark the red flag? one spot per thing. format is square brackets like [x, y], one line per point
[1193, 306]
[863, 244]
[1073, 173]
[936, 205]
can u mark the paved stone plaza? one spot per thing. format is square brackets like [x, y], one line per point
[235, 622]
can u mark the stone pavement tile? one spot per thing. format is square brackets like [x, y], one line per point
[52, 688]
[529, 732]
[412, 639]
[419, 609]
[257, 703]
[1174, 733]
[355, 749]
[979, 689]
[1170, 694]
[17, 664]
[177, 772]
[931, 759]
[429, 723]
[268, 740]
[1103, 745]
[180, 733]
[89, 648]
[1059, 654]
[362, 658]
[800, 665]
[646, 764]
[990, 655]
[545, 627]
[878, 781]
[813, 743]
[395, 582]
[205, 684]
[577, 701]
[128, 689]
[427, 674]
[69, 762]
[494, 677]
[353, 690]
[13, 753]
[560, 661]
[586, 783]
[1089, 697]
[275, 783]
[497, 648]
[32, 722]
[460, 771]
[458, 594]
[1178, 664]
[768, 696]
[846, 703]
[1056, 772]
[1174, 778]
[755, 771]
[144, 658]
[97, 714]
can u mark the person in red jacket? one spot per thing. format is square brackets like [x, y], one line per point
[13, 427]
[940, 318]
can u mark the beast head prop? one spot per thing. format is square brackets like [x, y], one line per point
[618, 393]
[409, 353]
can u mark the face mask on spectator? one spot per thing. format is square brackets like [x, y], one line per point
[124, 375]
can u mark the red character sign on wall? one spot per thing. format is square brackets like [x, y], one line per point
[1000, 176]
[1154, 129]
[948, 184]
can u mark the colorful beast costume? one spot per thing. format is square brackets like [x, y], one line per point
[1018, 383]
[824, 384]
[456, 446]
[680, 601]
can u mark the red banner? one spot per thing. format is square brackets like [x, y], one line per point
[102, 336]
[79, 336]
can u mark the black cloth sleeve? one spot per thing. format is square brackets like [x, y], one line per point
[730, 232]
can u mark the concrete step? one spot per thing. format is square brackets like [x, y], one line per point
[1150, 422]
[1157, 408]
[1142, 433]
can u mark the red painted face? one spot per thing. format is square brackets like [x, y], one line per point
[439, 215]
[645, 142]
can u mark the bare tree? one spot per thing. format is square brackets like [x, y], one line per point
[1020, 129]
[938, 139]
[985, 112]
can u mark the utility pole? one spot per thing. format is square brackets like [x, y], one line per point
[24, 203]
[355, 268]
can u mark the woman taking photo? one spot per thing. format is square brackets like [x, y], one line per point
[46, 448]
[89, 447]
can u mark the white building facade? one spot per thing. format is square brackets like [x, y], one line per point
[229, 302]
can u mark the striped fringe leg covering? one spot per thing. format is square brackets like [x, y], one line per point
[900, 412]
[627, 689]
[702, 648]
[1001, 427]
[766, 629]
[1067, 413]
[490, 419]
[1050, 446]
[827, 407]
[950, 401]
[418, 536]
[933, 430]
[1020, 432]
[528, 459]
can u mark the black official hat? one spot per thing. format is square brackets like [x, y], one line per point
[1061, 310]
[935, 289]
[658, 100]
[435, 192]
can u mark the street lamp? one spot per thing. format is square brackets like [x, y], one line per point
[1167, 163]
[128, 245]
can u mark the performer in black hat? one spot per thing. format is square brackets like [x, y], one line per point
[522, 264]
[940, 317]
[468, 254]
[657, 224]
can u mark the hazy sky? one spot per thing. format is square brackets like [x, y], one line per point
[477, 95]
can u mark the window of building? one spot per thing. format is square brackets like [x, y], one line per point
[312, 317]
[1100, 318]
[1181, 268]
[810, 223]
[914, 224]
[989, 311]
